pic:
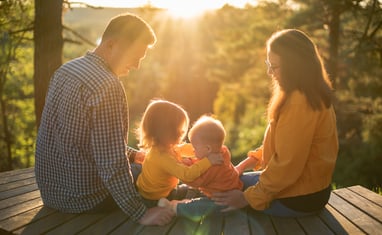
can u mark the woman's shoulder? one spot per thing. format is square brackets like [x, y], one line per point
[299, 100]
[296, 99]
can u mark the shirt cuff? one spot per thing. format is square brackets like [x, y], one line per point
[131, 152]
[257, 154]
[257, 198]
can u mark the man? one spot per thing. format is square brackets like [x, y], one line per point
[81, 155]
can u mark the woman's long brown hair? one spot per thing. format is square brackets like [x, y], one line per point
[301, 68]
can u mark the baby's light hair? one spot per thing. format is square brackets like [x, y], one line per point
[209, 130]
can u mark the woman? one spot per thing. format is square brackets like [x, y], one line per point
[300, 144]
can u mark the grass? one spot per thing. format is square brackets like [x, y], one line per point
[377, 190]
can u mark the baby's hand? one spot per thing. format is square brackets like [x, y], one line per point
[215, 158]
[239, 169]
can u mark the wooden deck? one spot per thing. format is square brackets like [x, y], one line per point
[352, 210]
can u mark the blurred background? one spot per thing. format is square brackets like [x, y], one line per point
[209, 58]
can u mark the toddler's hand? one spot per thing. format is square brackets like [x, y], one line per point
[187, 161]
[215, 158]
[139, 157]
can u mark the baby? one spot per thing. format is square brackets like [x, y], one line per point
[207, 136]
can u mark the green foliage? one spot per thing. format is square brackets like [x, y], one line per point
[17, 125]
[360, 125]
[243, 94]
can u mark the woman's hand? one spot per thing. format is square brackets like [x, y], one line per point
[234, 199]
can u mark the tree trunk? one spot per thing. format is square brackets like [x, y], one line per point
[7, 136]
[334, 35]
[48, 45]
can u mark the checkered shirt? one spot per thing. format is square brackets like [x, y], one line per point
[81, 153]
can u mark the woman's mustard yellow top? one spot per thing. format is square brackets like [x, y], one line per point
[299, 153]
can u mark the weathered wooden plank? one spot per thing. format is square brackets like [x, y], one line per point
[357, 216]
[21, 220]
[366, 193]
[20, 208]
[16, 180]
[19, 199]
[17, 191]
[236, 222]
[314, 225]
[76, 224]
[369, 207]
[337, 222]
[45, 224]
[129, 227]
[286, 226]
[133, 228]
[353, 210]
[9, 176]
[184, 226]
[106, 224]
[5, 232]
[211, 225]
[17, 184]
[260, 223]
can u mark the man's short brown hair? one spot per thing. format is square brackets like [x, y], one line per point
[130, 28]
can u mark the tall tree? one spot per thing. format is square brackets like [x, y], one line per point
[325, 14]
[48, 42]
[15, 25]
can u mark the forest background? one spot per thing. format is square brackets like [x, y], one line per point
[212, 64]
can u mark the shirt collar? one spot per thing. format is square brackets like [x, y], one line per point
[98, 59]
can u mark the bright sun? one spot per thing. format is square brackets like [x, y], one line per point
[188, 9]
[176, 8]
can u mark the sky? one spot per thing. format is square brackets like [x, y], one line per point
[181, 8]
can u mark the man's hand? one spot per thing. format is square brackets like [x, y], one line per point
[157, 216]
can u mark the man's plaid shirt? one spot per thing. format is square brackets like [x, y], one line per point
[81, 154]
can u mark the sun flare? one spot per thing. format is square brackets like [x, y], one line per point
[188, 9]
[175, 8]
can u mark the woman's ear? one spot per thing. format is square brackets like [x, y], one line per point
[209, 148]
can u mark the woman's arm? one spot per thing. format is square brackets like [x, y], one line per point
[246, 164]
[253, 161]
